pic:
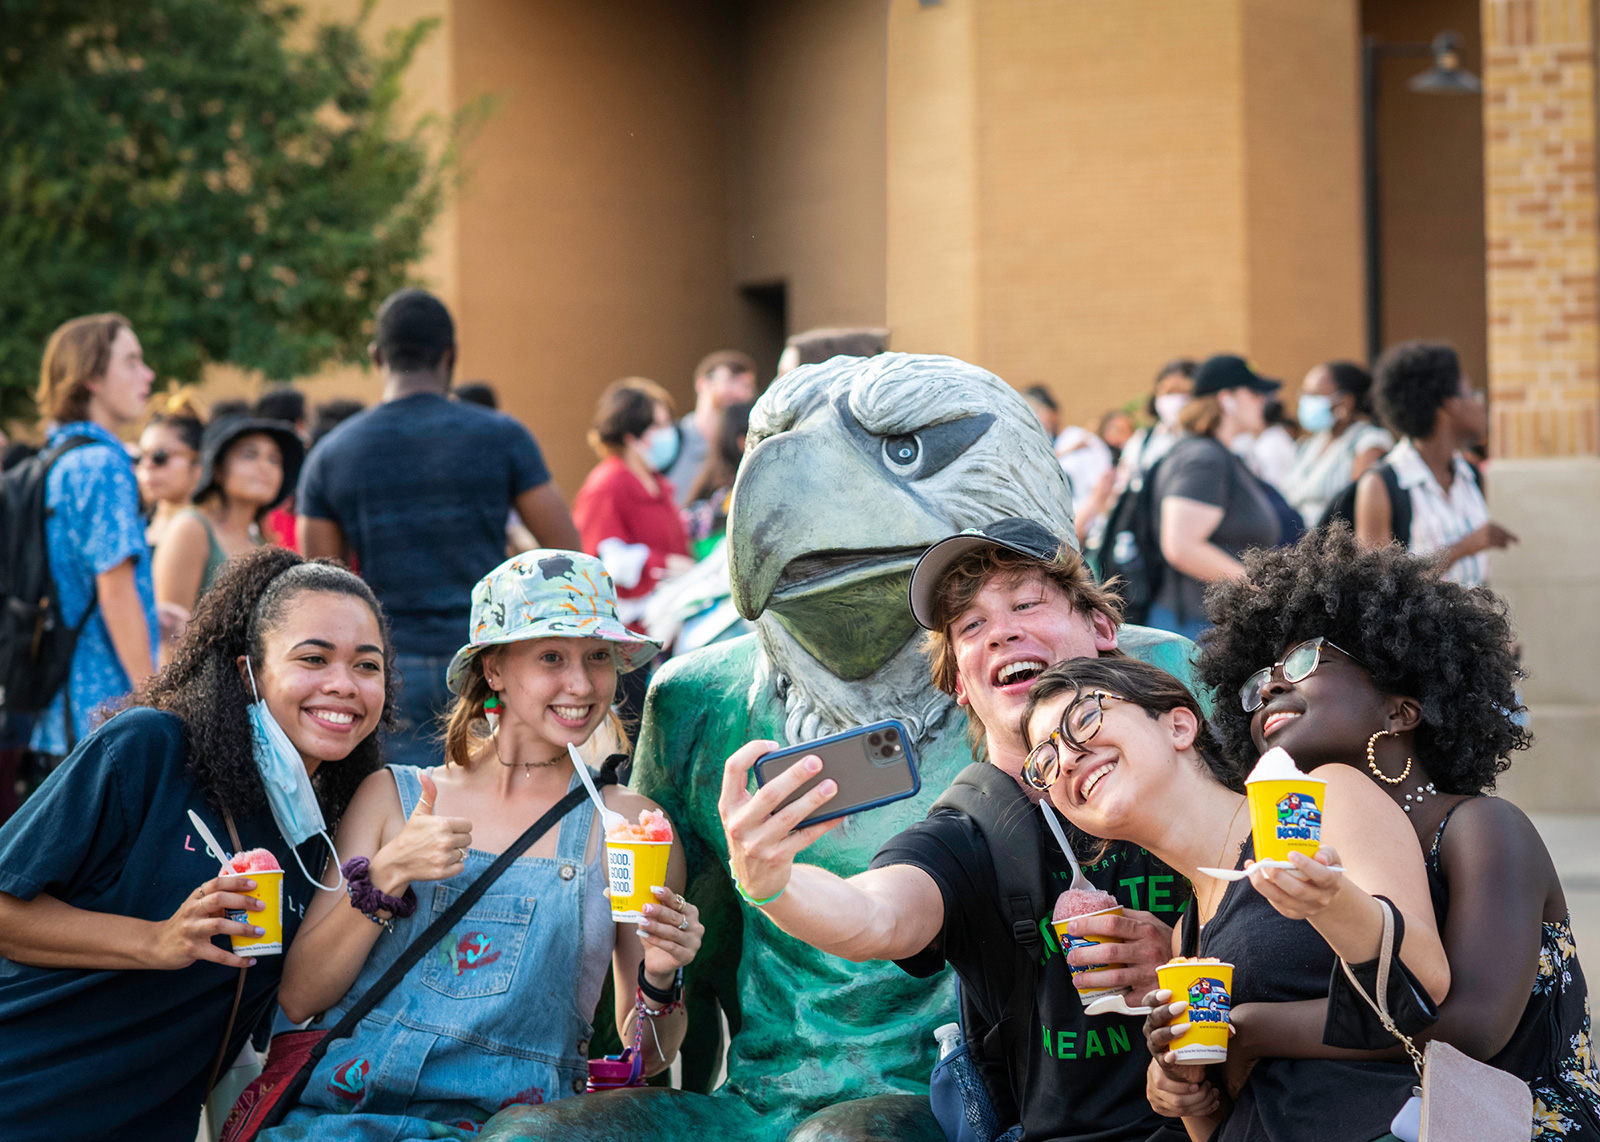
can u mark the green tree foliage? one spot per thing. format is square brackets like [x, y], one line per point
[240, 198]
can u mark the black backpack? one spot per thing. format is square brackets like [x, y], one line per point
[996, 804]
[1343, 506]
[1130, 549]
[36, 644]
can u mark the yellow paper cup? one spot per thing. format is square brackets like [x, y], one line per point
[1083, 977]
[1208, 989]
[1286, 816]
[268, 890]
[634, 868]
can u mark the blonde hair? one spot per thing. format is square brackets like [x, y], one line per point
[466, 725]
[1201, 415]
[77, 353]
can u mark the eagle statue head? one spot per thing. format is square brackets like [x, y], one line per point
[852, 468]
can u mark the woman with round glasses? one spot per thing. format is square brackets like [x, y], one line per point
[1124, 753]
[1418, 693]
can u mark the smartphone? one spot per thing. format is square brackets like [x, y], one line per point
[872, 765]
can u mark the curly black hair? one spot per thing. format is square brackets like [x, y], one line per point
[1410, 381]
[1445, 645]
[203, 688]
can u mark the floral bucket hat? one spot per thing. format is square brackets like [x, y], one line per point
[547, 594]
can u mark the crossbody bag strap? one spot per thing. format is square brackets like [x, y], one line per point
[436, 931]
[1381, 1004]
[238, 989]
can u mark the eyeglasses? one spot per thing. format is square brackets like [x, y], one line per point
[1081, 721]
[158, 458]
[1298, 664]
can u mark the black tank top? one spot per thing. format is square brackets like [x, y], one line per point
[1278, 960]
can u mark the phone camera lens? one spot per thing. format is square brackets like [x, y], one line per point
[891, 735]
[874, 740]
[887, 751]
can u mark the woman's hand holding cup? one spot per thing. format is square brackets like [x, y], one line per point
[671, 934]
[428, 848]
[1180, 1098]
[1305, 890]
[186, 936]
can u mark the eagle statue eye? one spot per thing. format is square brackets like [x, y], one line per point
[901, 451]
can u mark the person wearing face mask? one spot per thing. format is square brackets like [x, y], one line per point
[626, 511]
[246, 465]
[1211, 508]
[1336, 409]
[503, 1018]
[120, 998]
[1140, 452]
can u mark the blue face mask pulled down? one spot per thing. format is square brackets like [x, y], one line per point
[1315, 412]
[289, 793]
[661, 447]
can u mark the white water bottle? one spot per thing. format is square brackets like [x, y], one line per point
[948, 1037]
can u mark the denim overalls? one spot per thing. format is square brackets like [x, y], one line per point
[489, 1018]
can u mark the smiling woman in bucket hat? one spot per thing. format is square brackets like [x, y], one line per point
[510, 991]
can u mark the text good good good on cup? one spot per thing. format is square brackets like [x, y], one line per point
[269, 890]
[1083, 976]
[634, 868]
[1208, 989]
[1286, 817]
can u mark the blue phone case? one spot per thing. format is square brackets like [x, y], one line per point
[764, 764]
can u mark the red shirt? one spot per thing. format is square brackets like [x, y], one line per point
[614, 504]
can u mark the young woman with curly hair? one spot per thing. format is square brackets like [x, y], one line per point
[1371, 660]
[116, 978]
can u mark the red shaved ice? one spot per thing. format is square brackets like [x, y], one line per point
[1080, 902]
[255, 860]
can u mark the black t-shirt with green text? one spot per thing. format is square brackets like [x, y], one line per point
[1086, 1076]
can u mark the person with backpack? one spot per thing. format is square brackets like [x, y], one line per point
[96, 572]
[1336, 409]
[1210, 508]
[974, 885]
[121, 999]
[1425, 494]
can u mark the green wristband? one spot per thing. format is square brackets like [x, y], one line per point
[739, 888]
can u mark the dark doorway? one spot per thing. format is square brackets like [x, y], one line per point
[1430, 163]
[764, 315]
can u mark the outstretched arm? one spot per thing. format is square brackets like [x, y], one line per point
[883, 914]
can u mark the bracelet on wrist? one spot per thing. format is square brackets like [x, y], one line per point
[670, 996]
[369, 900]
[748, 899]
[668, 1009]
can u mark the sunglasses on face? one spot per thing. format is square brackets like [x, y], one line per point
[1079, 723]
[1298, 664]
[158, 458]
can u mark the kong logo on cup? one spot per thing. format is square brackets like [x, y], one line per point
[1209, 1001]
[1299, 819]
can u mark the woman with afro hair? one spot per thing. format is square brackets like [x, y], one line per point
[119, 991]
[1369, 658]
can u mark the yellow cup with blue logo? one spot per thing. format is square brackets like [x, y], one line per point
[268, 890]
[1285, 808]
[1207, 986]
[634, 868]
[1083, 974]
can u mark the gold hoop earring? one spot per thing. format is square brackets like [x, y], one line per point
[1372, 761]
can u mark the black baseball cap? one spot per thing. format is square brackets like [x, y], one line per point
[1227, 371]
[1024, 536]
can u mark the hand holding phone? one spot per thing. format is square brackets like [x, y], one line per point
[871, 765]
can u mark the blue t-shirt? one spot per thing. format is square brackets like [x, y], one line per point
[124, 1054]
[420, 487]
[93, 526]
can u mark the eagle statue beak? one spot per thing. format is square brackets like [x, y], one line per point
[823, 537]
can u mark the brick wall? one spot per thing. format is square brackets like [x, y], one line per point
[1540, 125]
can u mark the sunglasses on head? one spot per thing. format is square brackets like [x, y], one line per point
[1079, 723]
[1298, 663]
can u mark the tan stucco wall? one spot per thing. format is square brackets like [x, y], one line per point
[1079, 192]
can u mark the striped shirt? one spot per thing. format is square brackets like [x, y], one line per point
[1440, 518]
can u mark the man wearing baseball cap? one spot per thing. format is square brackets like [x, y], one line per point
[1001, 604]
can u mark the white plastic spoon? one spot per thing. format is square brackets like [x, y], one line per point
[213, 846]
[1079, 881]
[1241, 873]
[608, 818]
[1114, 1005]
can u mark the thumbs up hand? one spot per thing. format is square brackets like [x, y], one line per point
[429, 847]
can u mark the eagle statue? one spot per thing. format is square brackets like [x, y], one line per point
[852, 468]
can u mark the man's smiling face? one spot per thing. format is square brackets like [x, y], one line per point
[1016, 625]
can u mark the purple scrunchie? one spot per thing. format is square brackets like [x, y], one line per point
[366, 897]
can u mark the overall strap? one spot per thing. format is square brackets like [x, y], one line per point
[408, 784]
[572, 843]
